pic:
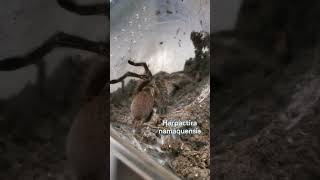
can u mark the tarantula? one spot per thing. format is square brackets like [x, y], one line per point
[153, 91]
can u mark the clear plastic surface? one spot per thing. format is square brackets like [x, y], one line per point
[156, 32]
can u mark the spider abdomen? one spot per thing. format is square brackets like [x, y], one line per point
[142, 105]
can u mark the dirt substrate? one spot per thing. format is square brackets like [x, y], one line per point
[186, 155]
[270, 129]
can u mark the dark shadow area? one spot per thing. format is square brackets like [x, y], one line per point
[35, 137]
[266, 81]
